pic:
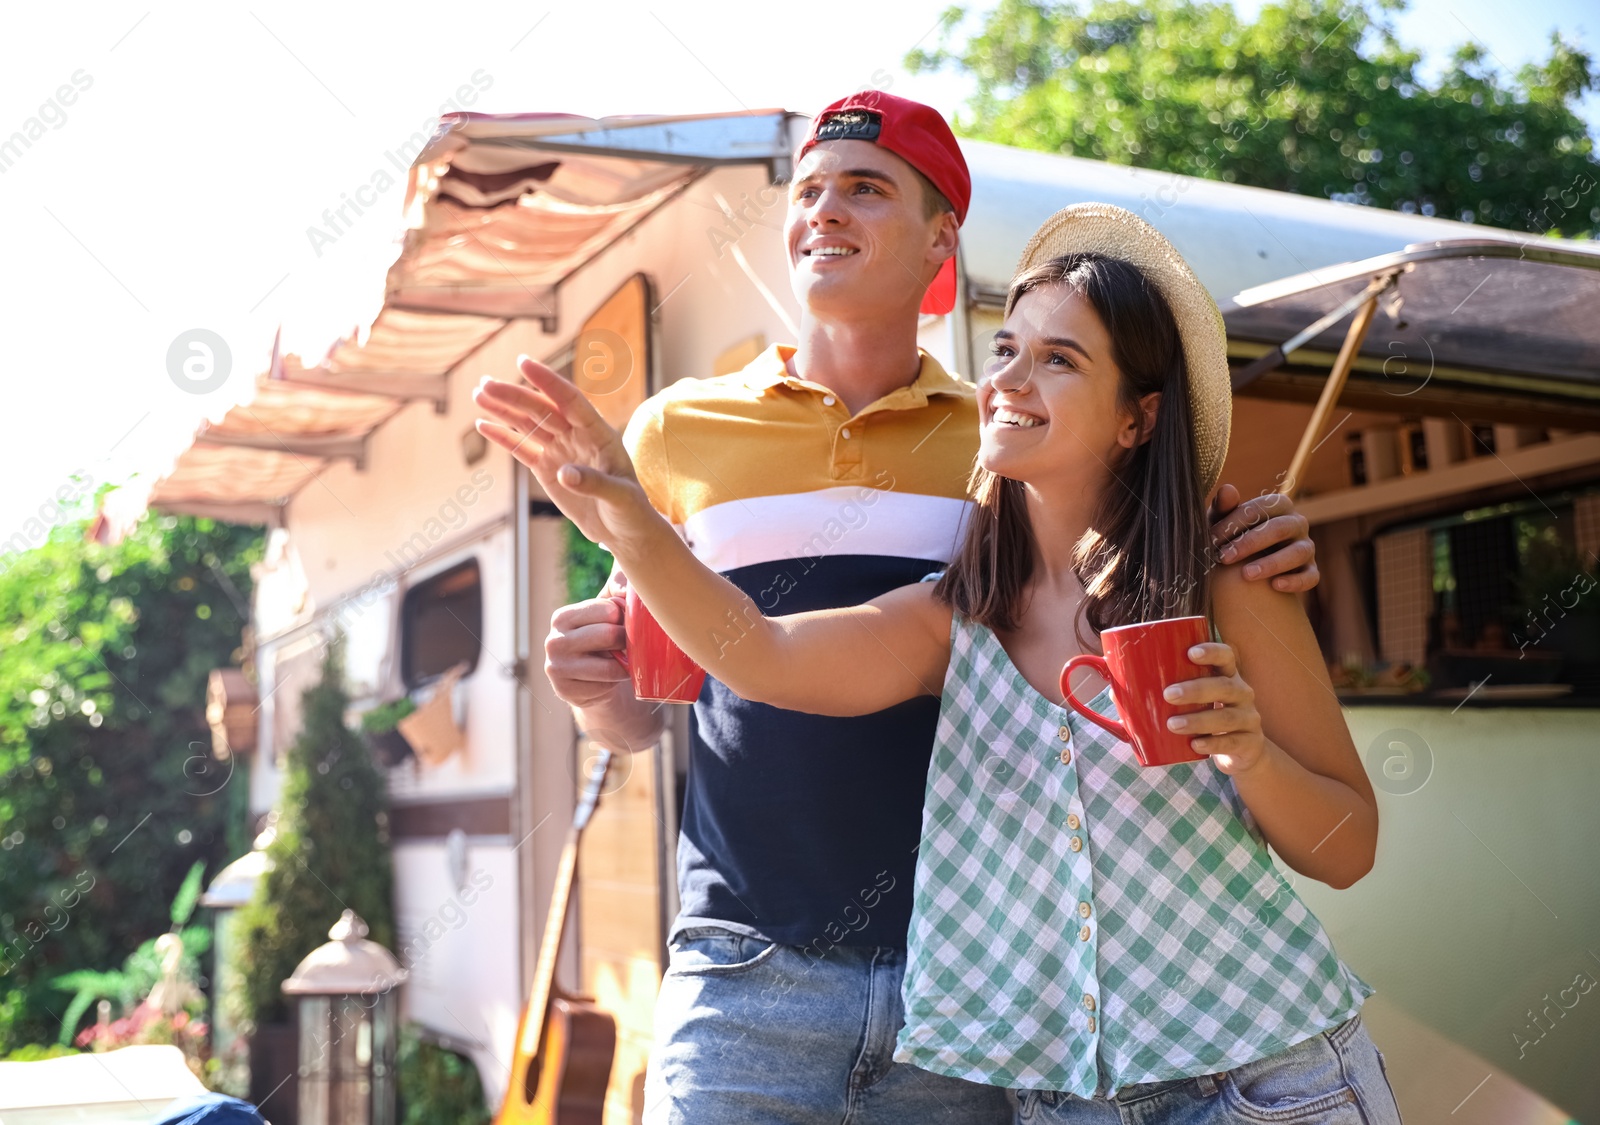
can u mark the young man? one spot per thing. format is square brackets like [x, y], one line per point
[821, 475]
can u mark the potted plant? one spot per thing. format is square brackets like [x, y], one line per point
[381, 726]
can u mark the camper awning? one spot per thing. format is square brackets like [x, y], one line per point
[1489, 329]
[500, 211]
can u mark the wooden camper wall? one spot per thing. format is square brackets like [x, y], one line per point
[621, 923]
[621, 918]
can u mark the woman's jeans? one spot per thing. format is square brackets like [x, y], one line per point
[1335, 1078]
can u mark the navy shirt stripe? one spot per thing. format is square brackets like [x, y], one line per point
[792, 821]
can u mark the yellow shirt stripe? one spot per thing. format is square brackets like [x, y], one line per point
[760, 432]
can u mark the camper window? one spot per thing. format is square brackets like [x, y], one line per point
[441, 621]
[1503, 594]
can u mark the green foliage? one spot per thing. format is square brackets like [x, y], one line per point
[1554, 580]
[129, 985]
[33, 1052]
[108, 792]
[386, 716]
[588, 566]
[437, 1086]
[188, 895]
[1315, 96]
[330, 849]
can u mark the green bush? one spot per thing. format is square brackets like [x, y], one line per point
[33, 1052]
[330, 849]
[437, 1086]
[130, 985]
[108, 790]
[588, 566]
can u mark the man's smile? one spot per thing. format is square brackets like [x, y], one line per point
[828, 251]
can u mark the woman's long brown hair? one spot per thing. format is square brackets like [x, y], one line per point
[1146, 553]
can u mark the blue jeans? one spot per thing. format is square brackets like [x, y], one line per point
[752, 1032]
[210, 1109]
[1335, 1078]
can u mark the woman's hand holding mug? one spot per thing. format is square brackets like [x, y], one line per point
[1171, 711]
[1230, 731]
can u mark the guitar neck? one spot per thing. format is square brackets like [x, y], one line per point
[555, 926]
[555, 923]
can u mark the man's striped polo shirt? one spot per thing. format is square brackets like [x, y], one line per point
[803, 828]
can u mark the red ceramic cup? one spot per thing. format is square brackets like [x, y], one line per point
[1140, 662]
[661, 671]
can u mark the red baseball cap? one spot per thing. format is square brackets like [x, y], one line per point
[920, 136]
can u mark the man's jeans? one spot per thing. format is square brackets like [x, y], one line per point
[751, 1032]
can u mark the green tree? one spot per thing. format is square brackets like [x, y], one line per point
[1314, 96]
[329, 852]
[108, 791]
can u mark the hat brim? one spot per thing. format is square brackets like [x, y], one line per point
[1118, 233]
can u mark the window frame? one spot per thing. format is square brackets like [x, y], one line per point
[409, 681]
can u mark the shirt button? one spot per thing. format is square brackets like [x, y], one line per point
[1091, 1023]
[1066, 755]
[1083, 934]
[1083, 909]
[845, 432]
[1076, 843]
[1065, 733]
[1072, 820]
[827, 400]
[1088, 1002]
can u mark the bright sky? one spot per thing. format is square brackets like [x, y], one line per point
[201, 141]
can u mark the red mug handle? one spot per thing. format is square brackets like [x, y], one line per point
[1098, 663]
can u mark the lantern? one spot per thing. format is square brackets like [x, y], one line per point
[348, 1022]
[232, 887]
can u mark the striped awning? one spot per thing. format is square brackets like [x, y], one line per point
[499, 209]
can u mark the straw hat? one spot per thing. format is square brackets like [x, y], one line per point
[1116, 233]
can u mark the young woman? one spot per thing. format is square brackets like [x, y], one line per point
[1089, 933]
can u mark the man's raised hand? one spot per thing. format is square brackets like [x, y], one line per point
[1267, 527]
[576, 456]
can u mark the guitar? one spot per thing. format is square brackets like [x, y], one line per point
[565, 1043]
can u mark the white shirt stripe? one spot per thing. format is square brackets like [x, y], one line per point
[852, 520]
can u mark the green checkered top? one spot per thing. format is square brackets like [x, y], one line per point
[1083, 922]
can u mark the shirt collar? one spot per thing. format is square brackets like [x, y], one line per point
[768, 370]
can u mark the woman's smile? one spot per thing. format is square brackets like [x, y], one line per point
[1004, 418]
